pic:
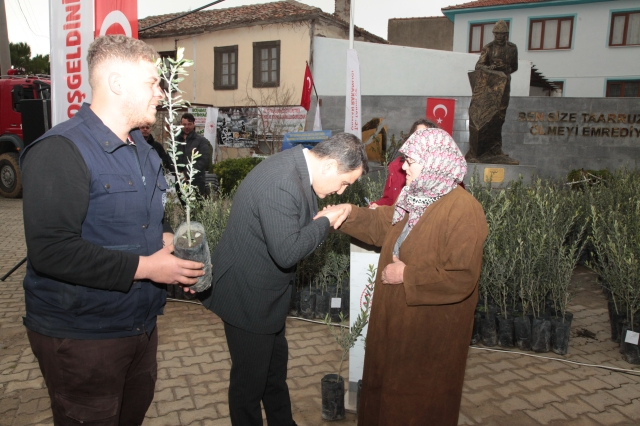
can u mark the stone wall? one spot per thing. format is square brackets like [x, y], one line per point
[553, 134]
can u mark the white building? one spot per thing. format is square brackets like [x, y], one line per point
[589, 48]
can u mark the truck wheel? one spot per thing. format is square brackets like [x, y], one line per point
[10, 176]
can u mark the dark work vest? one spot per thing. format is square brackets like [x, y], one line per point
[125, 212]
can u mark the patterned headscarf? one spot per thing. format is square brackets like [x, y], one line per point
[443, 166]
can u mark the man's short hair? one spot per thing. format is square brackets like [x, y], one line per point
[117, 47]
[189, 117]
[346, 149]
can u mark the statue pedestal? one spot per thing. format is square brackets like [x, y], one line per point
[498, 174]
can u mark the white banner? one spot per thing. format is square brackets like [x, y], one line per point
[281, 120]
[210, 128]
[71, 31]
[353, 111]
[200, 114]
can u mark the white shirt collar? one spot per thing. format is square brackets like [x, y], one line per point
[305, 151]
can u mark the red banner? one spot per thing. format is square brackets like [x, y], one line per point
[116, 17]
[307, 87]
[441, 111]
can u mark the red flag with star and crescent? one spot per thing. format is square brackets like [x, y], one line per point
[307, 87]
[441, 111]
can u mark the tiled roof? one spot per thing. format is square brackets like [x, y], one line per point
[242, 16]
[417, 17]
[489, 3]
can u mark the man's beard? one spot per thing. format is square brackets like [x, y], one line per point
[136, 117]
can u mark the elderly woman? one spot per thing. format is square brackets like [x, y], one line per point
[426, 288]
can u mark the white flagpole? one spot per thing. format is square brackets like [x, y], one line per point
[352, 15]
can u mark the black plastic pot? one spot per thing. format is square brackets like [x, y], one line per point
[541, 334]
[560, 333]
[630, 351]
[505, 332]
[615, 318]
[489, 329]
[476, 334]
[307, 303]
[323, 304]
[345, 302]
[332, 397]
[198, 252]
[522, 332]
[294, 305]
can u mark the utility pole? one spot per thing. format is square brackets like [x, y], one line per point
[5, 55]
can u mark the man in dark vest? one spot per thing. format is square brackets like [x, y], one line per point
[98, 247]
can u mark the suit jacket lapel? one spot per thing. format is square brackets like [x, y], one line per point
[303, 171]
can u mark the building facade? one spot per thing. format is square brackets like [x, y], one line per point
[250, 55]
[588, 48]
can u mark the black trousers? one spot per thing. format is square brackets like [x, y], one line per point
[98, 382]
[258, 373]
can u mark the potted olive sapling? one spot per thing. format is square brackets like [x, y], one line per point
[189, 240]
[333, 384]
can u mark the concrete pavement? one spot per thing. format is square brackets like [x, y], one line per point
[193, 365]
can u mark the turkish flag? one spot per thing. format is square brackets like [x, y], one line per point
[441, 111]
[116, 17]
[307, 86]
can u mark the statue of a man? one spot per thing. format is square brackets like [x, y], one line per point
[491, 84]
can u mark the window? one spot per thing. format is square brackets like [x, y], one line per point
[480, 35]
[557, 93]
[625, 29]
[266, 64]
[623, 89]
[225, 70]
[550, 34]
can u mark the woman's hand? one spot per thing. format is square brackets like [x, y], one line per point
[394, 272]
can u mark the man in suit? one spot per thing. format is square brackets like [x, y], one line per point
[274, 223]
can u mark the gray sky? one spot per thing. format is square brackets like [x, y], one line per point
[28, 20]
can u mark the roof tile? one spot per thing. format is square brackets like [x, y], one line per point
[489, 3]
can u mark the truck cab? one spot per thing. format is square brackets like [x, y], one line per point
[13, 90]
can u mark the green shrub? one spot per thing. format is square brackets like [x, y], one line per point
[231, 172]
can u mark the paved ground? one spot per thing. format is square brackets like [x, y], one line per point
[500, 388]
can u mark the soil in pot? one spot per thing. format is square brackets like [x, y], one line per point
[198, 251]
[522, 332]
[560, 333]
[541, 334]
[332, 397]
[323, 304]
[476, 334]
[505, 332]
[307, 303]
[489, 329]
[630, 351]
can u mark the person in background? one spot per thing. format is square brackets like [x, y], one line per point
[98, 246]
[396, 175]
[157, 146]
[194, 141]
[426, 288]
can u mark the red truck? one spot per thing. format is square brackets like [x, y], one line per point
[13, 137]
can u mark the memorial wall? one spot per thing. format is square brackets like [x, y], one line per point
[554, 135]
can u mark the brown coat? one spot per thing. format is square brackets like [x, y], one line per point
[419, 331]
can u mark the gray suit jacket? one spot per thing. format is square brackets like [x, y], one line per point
[270, 229]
